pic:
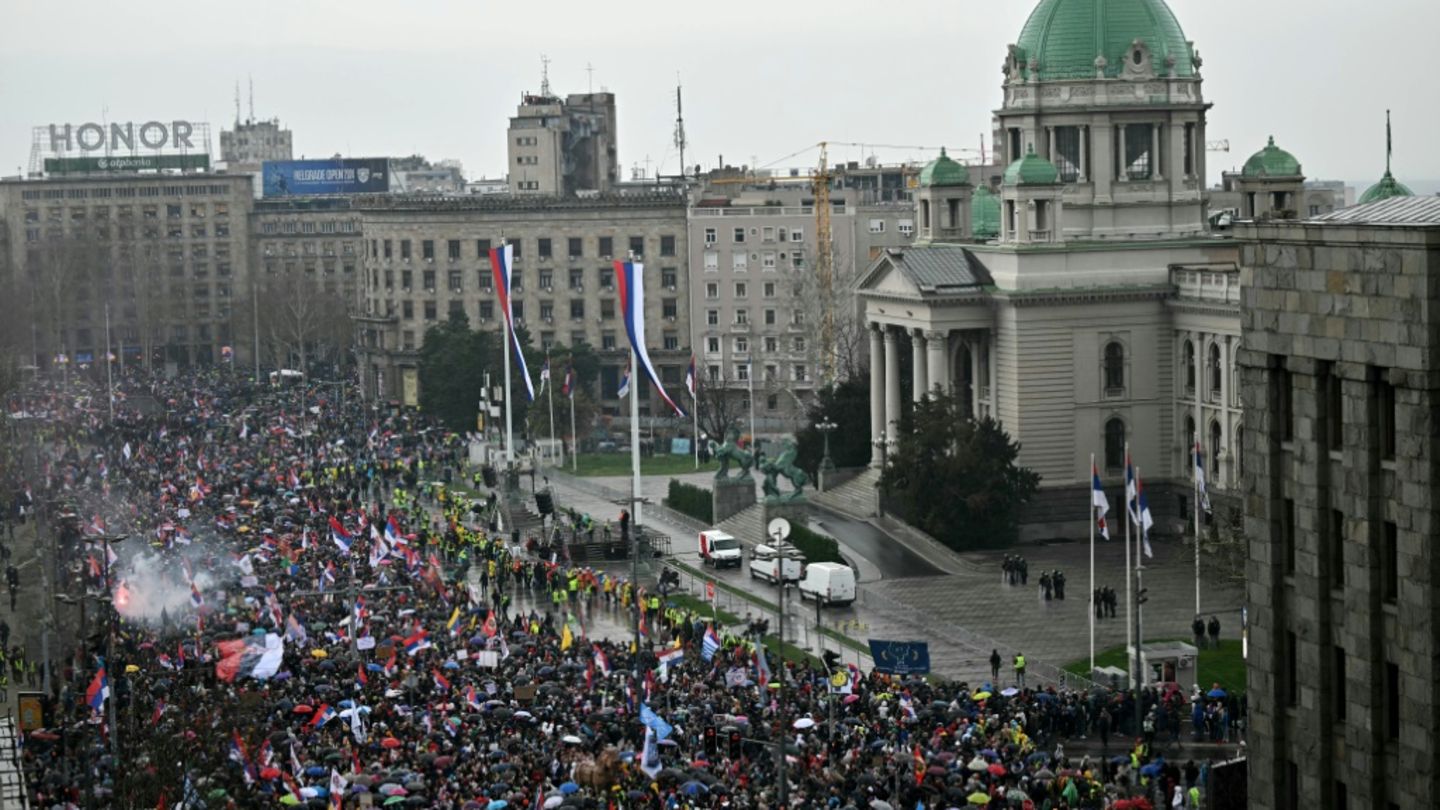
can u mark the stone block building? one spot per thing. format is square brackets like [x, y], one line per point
[1340, 382]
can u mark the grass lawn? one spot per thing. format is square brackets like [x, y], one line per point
[767, 607]
[606, 464]
[1224, 666]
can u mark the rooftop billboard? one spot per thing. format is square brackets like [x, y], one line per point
[300, 178]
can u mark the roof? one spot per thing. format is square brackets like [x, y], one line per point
[1032, 170]
[1408, 210]
[1385, 189]
[1066, 37]
[1272, 161]
[939, 268]
[984, 214]
[944, 171]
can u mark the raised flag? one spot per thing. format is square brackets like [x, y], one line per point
[294, 630]
[709, 643]
[654, 722]
[441, 682]
[671, 657]
[650, 755]
[337, 790]
[501, 260]
[1099, 504]
[392, 532]
[762, 666]
[567, 388]
[453, 623]
[544, 375]
[99, 689]
[420, 640]
[692, 382]
[250, 657]
[322, 715]
[342, 538]
[1200, 479]
[490, 627]
[624, 389]
[196, 600]
[1146, 521]
[602, 661]
[1132, 492]
[567, 638]
[471, 699]
[630, 278]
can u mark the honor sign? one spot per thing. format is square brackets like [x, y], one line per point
[92, 137]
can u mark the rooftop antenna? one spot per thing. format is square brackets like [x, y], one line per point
[544, 75]
[252, 97]
[679, 125]
[237, 102]
[1387, 142]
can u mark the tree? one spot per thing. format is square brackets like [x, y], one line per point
[956, 478]
[453, 362]
[301, 323]
[847, 406]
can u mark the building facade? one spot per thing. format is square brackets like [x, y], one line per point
[425, 258]
[563, 146]
[168, 253]
[316, 238]
[1340, 383]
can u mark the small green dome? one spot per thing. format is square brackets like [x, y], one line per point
[1032, 170]
[944, 171]
[1066, 37]
[1385, 189]
[1272, 161]
[984, 214]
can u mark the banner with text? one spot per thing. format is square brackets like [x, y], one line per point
[298, 178]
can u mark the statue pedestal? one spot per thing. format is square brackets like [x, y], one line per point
[730, 496]
[797, 512]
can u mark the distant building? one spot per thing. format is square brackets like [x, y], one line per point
[416, 175]
[426, 258]
[245, 148]
[1338, 380]
[316, 238]
[561, 146]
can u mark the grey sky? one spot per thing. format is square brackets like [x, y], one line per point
[762, 79]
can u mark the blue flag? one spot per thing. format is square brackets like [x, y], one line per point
[900, 657]
[654, 722]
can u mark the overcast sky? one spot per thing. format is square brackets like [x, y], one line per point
[762, 79]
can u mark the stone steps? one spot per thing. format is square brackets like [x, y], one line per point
[856, 497]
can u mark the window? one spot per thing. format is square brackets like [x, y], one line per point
[577, 310]
[544, 248]
[667, 246]
[430, 311]
[456, 280]
[712, 345]
[712, 317]
[1067, 153]
[668, 276]
[739, 236]
[485, 279]
[801, 373]
[575, 247]
[769, 289]
[1342, 793]
[1114, 368]
[906, 227]
[742, 372]
[1390, 563]
[1385, 406]
[407, 278]
[405, 249]
[517, 308]
[482, 248]
[712, 261]
[712, 289]
[515, 249]
[1337, 675]
[769, 317]
[739, 261]
[429, 278]
[1115, 444]
[1291, 676]
[668, 308]
[452, 248]
[607, 278]
[1138, 160]
[671, 341]
[427, 250]
[1334, 411]
[577, 279]
[772, 344]
[1216, 369]
[547, 279]
[1285, 400]
[877, 226]
[457, 309]
[1292, 784]
[1392, 700]
[741, 289]
[1215, 448]
[767, 260]
[767, 234]
[710, 237]
[797, 235]
[637, 246]
[487, 310]
[742, 345]
[1189, 350]
[1337, 549]
[772, 401]
[547, 311]
[607, 341]
[607, 247]
[742, 316]
[607, 309]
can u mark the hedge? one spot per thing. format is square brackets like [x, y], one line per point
[691, 500]
[814, 546]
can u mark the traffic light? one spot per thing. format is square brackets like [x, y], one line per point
[488, 473]
[710, 740]
[735, 744]
[544, 502]
[832, 660]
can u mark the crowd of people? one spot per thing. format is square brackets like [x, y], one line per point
[286, 605]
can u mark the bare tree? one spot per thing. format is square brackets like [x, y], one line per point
[850, 344]
[300, 323]
[723, 404]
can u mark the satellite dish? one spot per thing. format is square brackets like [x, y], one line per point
[778, 529]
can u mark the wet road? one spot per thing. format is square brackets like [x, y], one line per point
[894, 560]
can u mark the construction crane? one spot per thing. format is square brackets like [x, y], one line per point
[1218, 146]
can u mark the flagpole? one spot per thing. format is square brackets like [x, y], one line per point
[750, 380]
[695, 407]
[1129, 594]
[550, 392]
[1195, 473]
[109, 365]
[505, 333]
[1091, 672]
[1139, 624]
[574, 439]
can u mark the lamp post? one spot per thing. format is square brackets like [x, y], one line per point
[883, 447]
[827, 464]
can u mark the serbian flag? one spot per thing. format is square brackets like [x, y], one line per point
[602, 662]
[342, 538]
[250, 657]
[567, 388]
[417, 642]
[544, 375]
[692, 383]
[441, 682]
[322, 715]
[490, 628]
[392, 533]
[1132, 491]
[1099, 504]
[709, 643]
[624, 389]
[196, 600]
[470, 697]
[630, 276]
[500, 263]
[1146, 521]
[99, 690]
[1200, 478]
[360, 679]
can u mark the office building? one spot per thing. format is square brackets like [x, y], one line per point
[563, 146]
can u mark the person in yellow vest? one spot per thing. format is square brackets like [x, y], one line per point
[1020, 670]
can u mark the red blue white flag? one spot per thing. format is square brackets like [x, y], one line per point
[630, 276]
[501, 260]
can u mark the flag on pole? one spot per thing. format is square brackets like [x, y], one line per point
[1132, 491]
[99, 690]
[500, 263]
[342, 538]
[1145, 520]
[692, 383]
[630, 276]
[544, 375]
[1099, 504]
[1200, 478]
[624, 389]
[567, 386]
[709, 643]
[602, 662]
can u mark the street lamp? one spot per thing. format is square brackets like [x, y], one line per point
[826, 427]
[881, 446]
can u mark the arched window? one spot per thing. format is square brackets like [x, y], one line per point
[1214, 450]
[1216, 370]
[1189, 367]
[1114, 367]
[1190, 440]
[1115, 444]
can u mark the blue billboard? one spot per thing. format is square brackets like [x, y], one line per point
[900, 657]
[298, 178]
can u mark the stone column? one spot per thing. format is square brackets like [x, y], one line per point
[892, 386]
[973, 346]
[1120, 164]
[918, 379]
[1223, 413]
[1156, 172]
[1050, 144]
[937, 345]
[1084, 153]
[877, 392]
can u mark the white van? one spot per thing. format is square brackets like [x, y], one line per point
[829, 583]
[771, 562]
[719, 549]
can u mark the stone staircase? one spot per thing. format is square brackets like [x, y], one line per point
[856, 497]
[747, 525]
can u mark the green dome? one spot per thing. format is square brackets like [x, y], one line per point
[944, 171]
[1385, 189]
[1272, 161]
[984, 214]
[1066, 36]
[1032, 170]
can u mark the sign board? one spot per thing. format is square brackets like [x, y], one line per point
[488, 659]
[710, 591]
[32, 711]
[127, 163]
[115, 136]
[680, 447]
[778, 529]
[900, 657]
[291, 178]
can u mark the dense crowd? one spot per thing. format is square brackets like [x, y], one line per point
[304, 614]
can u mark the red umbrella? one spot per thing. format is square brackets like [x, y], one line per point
[269, 773]
[390, 742]
[997, 769]
[303, 708]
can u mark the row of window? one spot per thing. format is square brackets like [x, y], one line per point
[291, 226]
[1331, 406]
[799, 372]
[740, 260]
[670, 341]
[325, 248]
[484, 279]
[741, 317]
[544, 248]
[768, 233]
[80, 213]
[189, 190]
[669, 309]
[742, 344]
[742, 289]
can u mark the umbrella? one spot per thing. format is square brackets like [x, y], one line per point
[1043, 774]
[1153, 769]
[1009, 691]
[982, 695]
[1217, 693]
[977, 765]
[553, 802]
[289, 799]
[996, 769]
[390, 742]
[569, 787]
[303, 708]
[571, 739]
[499, 804]
[804, 723]
[879, 804]
[694, 788]
[395, 800]
[978, 798]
